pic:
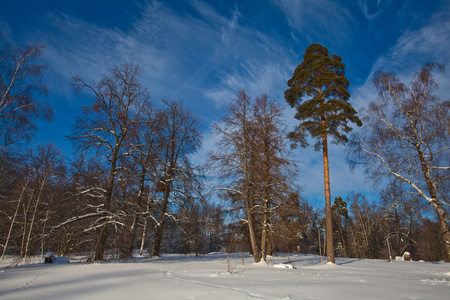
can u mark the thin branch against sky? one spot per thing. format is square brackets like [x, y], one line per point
[203, 52]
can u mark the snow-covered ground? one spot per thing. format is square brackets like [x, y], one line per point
[206, 277]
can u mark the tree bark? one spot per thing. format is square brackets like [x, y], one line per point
[265, 228]
[251, 231]
[101, 242]
[144, 230]
[441, 213]
[445, 233]
[328, 213]
[14, 218]
[38, 200]
[162, 219]
[134, 226]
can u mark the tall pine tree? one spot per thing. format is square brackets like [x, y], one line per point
[318, 92]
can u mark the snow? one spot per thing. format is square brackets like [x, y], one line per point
[206, 277]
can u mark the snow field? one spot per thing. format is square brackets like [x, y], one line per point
[206, 277]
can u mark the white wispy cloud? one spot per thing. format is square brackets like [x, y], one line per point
[372, 9]
[181, 54]
[430, 42]
[410, 52]
[225, 27]
[160, 41]
[256, 77]
[416, 46]
[318, 20]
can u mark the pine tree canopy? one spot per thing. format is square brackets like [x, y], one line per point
[318, 92]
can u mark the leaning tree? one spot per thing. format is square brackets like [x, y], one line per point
[318, 92]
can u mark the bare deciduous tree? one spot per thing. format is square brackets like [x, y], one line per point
[407, 137]
[273, 179]
[31, 199]
[179, 138]
[104, 128]
[253, 164]
[232, 160]
[20, 84]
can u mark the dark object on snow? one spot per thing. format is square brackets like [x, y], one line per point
[49, 258]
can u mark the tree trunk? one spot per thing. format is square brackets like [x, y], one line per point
[101, 242]
[43, 232]
[264, 241]
[328, 213]
[444, 231]
[441, 213]
[160, 225]
[251, 231]
[14, 218]
[133, 230]
[248, 193]
[38, 200]
[144, 230]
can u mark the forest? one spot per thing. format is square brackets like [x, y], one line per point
[133, 186]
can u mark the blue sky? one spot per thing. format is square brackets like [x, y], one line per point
[204, 52]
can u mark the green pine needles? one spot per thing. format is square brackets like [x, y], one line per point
[318, 92]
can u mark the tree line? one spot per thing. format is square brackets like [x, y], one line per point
[132, 184]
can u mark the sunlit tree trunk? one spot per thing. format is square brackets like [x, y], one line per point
[328, 212]
[38, 200]
[144, 229]
[14, 217]
[265, 229]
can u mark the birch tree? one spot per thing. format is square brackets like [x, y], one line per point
[407, 137]
[20, 86]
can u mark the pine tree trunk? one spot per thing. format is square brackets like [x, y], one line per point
[328, 213]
